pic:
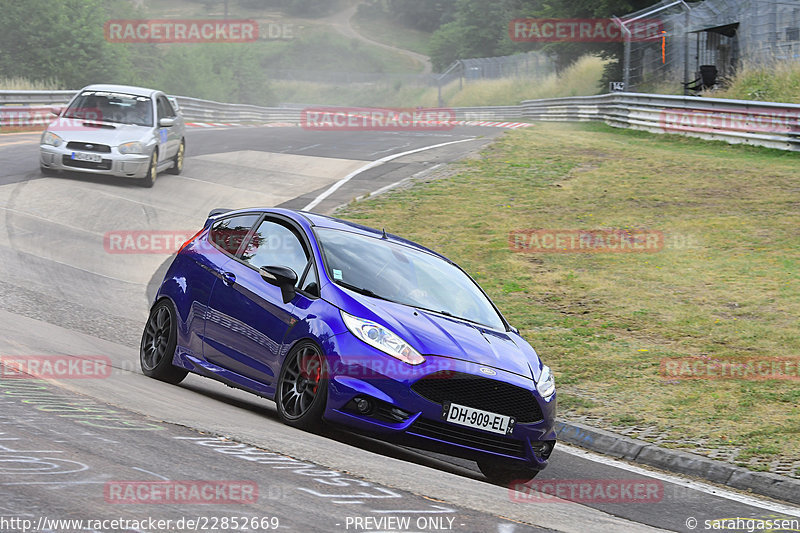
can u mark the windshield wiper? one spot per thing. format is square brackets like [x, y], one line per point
[451, 315]
[361, 290]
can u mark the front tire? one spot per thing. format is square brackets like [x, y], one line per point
[303, 388]
[502, 473]
[158, 345]
[152, 171]
[177, 161]
[47, 171]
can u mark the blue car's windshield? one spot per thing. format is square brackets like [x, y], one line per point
[384, 269]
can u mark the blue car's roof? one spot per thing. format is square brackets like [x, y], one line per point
[325, 221]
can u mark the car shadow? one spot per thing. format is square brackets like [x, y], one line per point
[266, 408]
[115, 181]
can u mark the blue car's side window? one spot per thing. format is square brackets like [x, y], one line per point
[229, 233]
[274, 244]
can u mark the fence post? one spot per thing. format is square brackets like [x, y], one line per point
[686, 79]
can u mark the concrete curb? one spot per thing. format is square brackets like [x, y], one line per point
[601, 441]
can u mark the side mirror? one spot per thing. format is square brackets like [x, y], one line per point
[282, 277]
[514, 330]
[166, 122]
[56, 110]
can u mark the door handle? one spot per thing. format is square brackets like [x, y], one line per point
[228, 278]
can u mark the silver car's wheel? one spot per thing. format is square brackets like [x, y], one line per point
[152, 171]
[177, 166]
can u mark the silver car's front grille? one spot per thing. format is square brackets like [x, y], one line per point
[89, 147]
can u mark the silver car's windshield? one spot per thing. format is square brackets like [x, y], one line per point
[383, 269]
[112, 107]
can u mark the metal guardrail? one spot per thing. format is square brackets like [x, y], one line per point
[196, 110]
[773, 125]
[767, 124]
[16, 109]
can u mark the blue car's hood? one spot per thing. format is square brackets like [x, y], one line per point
[435, 334]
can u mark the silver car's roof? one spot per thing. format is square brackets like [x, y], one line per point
[126, 89]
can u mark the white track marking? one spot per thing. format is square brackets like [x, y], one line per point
[693, 485]
[151, 473]
[378, 162]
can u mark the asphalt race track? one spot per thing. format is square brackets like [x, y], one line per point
[79, 448]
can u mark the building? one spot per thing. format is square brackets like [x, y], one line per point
[713, 37]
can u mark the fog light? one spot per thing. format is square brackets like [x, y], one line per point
[543, 448]
[363, 405]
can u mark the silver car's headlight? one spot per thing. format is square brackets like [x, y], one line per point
[546, 384]
[383, 339]
[51, 139]
[131, 148]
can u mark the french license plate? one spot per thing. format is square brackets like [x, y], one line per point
[81, 156]
[475, 418]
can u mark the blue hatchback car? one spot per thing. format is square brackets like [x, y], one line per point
[339, 322]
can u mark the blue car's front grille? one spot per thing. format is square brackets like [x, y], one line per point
[480, 393]
[467, 437]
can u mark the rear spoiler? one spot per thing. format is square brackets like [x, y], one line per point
[219, 211]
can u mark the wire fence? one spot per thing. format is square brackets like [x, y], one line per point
[702, 44]
[531, 65]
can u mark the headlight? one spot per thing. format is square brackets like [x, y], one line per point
[131, 148]
[381, 338]
[546, 384]
[51, 139]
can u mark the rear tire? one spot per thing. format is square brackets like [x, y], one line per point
[177, 161]
[303, 388]
[158, 345]
[502, 473]
[152, 171]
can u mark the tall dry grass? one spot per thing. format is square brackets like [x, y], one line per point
[22, 84]
[777, 81]
[580, 79]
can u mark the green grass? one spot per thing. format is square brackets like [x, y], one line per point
[726, 284]
[319, 49]
[384, 30]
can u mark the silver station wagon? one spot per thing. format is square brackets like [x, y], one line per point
[117, 130]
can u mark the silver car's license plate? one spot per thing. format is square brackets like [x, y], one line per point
[475, 418]
[81, 156]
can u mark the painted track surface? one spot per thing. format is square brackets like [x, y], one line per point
[65, 292]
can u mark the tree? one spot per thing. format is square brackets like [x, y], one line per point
[423, 15]
[479, 29]
[59, 40]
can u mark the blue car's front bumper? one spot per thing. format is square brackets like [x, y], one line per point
[401, 414]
